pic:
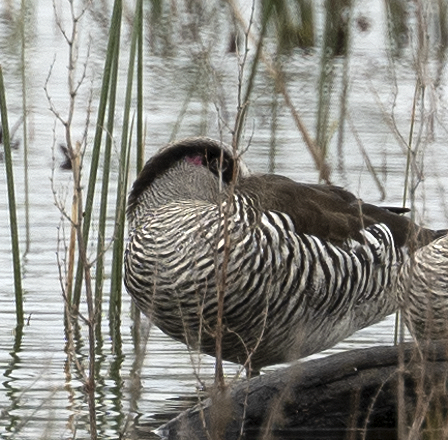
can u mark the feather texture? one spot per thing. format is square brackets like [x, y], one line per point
[423, 291]
[305, 265]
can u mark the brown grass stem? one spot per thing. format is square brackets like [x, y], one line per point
[274, 71]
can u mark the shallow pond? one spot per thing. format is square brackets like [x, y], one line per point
[145, 382]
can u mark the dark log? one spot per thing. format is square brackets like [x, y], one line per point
[351, 395]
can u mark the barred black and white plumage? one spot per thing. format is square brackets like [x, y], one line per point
[423, 291]
[305, 265]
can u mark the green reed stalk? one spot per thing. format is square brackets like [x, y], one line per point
[135, 312]
[118, 248]
[105, 183]
[140, 137]
[25, 127]
[114, 37]
[12, 205]
[117, 258]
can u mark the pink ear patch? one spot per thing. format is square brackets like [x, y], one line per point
[195, 160]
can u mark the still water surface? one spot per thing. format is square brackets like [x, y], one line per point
[147, 382]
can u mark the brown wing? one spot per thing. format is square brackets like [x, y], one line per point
[330, 212]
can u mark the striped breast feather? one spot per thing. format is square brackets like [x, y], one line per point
[171, 234]
[348, 276]
[182, 223]
[278, 283]
[384, 256]
[422, 291]
[186, 239]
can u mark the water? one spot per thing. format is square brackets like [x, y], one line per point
[41, 393]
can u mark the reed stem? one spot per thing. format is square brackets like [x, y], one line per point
[117, 258]
[114, 36]
[12, 205]
[140, 134]
[105, 181]
[25, 127]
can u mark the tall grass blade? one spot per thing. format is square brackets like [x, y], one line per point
[12, 205]
[114, 37]
[99, 276]
[135, 312]
[25, 126]
[140, 134]
[117, 258]
[118, 247]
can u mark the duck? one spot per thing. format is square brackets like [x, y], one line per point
[422, 292]
[14, 143]
[297, 267]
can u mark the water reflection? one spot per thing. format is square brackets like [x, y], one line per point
[12, 392]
